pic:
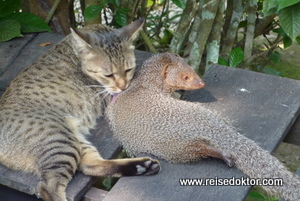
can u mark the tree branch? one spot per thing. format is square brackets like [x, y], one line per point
[213, 45]
[184, 25]
[52, 11]
[148, 42]
[233, 28]
[251, 8]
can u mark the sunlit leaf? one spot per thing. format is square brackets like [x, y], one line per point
[289, 19]
[285, 3]
[236, 57]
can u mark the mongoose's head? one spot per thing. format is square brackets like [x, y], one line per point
[178, 75]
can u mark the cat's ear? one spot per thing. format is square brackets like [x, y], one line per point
[79, 42]
[130, 31]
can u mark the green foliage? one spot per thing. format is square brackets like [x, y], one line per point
[284, 3]
[180, 3]
[92, 12]
[287, 41]
[289, 18]
[275, 57]
[259, 197]
[9, 29]
[9, 6]
[236, 57]
[288, 12]
[269, 70]
[13, 22]
[223, 61]
[121, 16]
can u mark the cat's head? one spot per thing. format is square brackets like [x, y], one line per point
[106, 54]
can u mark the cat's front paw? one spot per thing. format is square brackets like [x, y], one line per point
[148, 167]
[142, 166]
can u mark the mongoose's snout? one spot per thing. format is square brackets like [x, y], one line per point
[197, 83]
[191, 81]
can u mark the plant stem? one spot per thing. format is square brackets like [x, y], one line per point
[52, 11]
[148, 42]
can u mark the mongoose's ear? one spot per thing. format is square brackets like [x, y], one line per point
[130, 32]
[181, 77]
[80, 44]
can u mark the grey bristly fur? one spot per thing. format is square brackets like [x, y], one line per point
[146, 119]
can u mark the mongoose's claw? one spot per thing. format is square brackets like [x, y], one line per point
[148, 167]
[228, 159]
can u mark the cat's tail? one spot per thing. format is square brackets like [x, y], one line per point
[261, 165]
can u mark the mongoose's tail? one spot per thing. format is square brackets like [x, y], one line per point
[257, 163]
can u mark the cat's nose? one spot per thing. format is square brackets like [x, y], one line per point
[122, 85]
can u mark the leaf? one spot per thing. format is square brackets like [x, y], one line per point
[116, 3]
[9, 29]
[298, 39]
[270, 71]
[121, 17]
[275, 57]
[8, 7]
[280, 31]
[269, 7]
[236, 57]
[222, 61]
[284, 3]
[30, 22]
[287, 42]
[256, 196]
[289, 19]
[92, 12]
[180, 3]
[149, 3]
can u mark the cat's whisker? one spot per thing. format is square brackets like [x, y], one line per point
[103, 98]
[96, 86]
[100, 92]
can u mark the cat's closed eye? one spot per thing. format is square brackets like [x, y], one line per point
[128, 70]
[110, 76]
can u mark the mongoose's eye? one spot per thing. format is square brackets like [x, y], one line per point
[185, 78]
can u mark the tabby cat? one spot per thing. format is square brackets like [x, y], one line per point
[48, 109]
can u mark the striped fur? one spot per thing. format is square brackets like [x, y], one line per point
[48, 109]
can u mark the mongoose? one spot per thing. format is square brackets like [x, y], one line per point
[146, 119]
[48, 109]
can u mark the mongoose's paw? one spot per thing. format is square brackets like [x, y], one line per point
[228, 159]
[142, 166]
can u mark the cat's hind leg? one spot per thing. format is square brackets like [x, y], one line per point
[93, 164]
[58, 161]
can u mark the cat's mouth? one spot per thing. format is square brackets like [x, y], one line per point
[114, 97]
